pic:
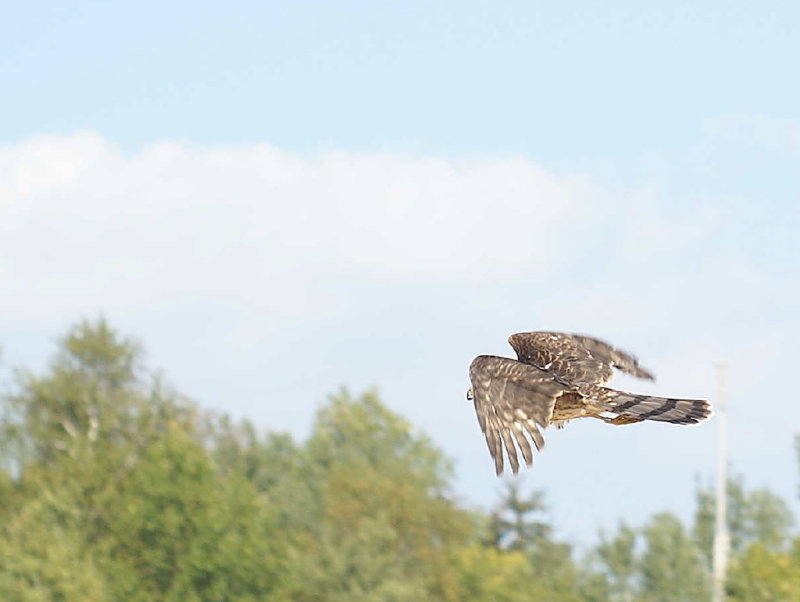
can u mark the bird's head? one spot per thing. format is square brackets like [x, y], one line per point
[516, 342]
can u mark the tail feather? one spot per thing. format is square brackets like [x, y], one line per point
[662, 409]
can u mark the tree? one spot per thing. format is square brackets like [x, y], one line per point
[113, 465]
[516, 525]
[355, 566]
[757, 516]
[43, 555]
[513, 526]
[489, 574]
[618, 557]
[671, 564]
[761, 574]
[764, 567]
[180, 531]
[367, 477]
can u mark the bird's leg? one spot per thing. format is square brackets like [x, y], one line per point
[619, 420]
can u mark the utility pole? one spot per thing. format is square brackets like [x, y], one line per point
[721, 524]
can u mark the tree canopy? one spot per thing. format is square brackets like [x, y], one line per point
[117, 487]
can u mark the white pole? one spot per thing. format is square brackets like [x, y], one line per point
[721, 524]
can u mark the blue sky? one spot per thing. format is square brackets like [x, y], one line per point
[282, 198]
[558, 82]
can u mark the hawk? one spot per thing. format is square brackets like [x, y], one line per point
[557, 377]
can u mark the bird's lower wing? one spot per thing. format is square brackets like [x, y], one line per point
[512, 401]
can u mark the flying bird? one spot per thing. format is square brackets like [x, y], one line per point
[558, 377]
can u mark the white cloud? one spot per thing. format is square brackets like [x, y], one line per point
[86, 224]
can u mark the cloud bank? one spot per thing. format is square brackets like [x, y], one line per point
[81, 220]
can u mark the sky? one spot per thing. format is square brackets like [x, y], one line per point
[281, 199]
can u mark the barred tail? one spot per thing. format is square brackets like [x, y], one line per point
[662, 409]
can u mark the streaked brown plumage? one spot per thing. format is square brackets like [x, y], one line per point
[558, 377]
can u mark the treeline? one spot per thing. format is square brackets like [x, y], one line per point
[115, 487]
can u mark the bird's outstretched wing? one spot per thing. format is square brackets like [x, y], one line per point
[613, 356]
[512, 400]
[575, 358]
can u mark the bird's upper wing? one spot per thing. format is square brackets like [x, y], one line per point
[512, 400]
[575, 358]
[608, 354]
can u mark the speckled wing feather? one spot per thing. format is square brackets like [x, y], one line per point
[575, 359]
[612, 356]
[512, 400]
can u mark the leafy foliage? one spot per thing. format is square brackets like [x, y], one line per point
[764, 575]
[671, 565]
[115, 487]
[620, 564]
[757, 516]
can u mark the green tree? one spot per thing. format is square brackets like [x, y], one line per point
[761, 574]
[115, 466]
[368, 479]
[671, 565]
[764, 567]
[43, 556]
[179, 531]
[517, 524]
[757, 516]
[514, 524]
[489, 574]
[355, 566]
[619, 561]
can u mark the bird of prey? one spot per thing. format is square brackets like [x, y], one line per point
[558, 377]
